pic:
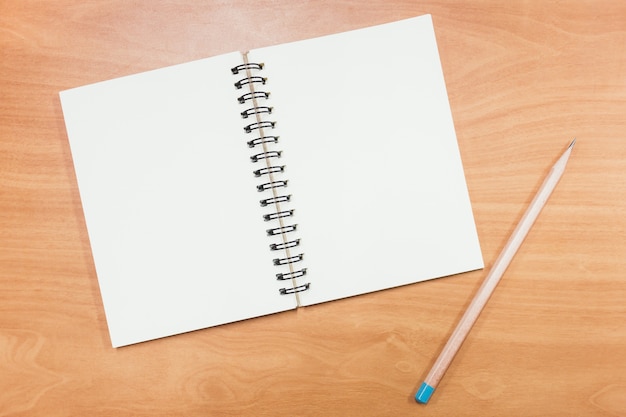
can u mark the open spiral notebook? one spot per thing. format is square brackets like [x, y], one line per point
[253, 183]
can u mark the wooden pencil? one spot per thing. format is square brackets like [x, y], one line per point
[486, 289]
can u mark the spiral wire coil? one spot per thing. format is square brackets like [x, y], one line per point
[271, 175]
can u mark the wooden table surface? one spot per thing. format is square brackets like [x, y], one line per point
[523, 77]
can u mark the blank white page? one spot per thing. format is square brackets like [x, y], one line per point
[169, 199]
[372, 159]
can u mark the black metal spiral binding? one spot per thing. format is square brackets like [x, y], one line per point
[253, 95]
[268, 170]
[249, 80]
[278, 215]
[255, 110]
[243, 67]
[282, 230]
[285, 245]
[289, 260]
[274, 200]
[291, 275]
[272, 184]
[273, 174]
[293, 290]
[259, 125]
[265, 155]
[261, 140]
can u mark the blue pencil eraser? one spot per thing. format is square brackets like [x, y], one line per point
[424, 393]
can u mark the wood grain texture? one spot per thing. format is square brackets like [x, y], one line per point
[523, 77]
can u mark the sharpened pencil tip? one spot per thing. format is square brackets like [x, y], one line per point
[572, 144]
